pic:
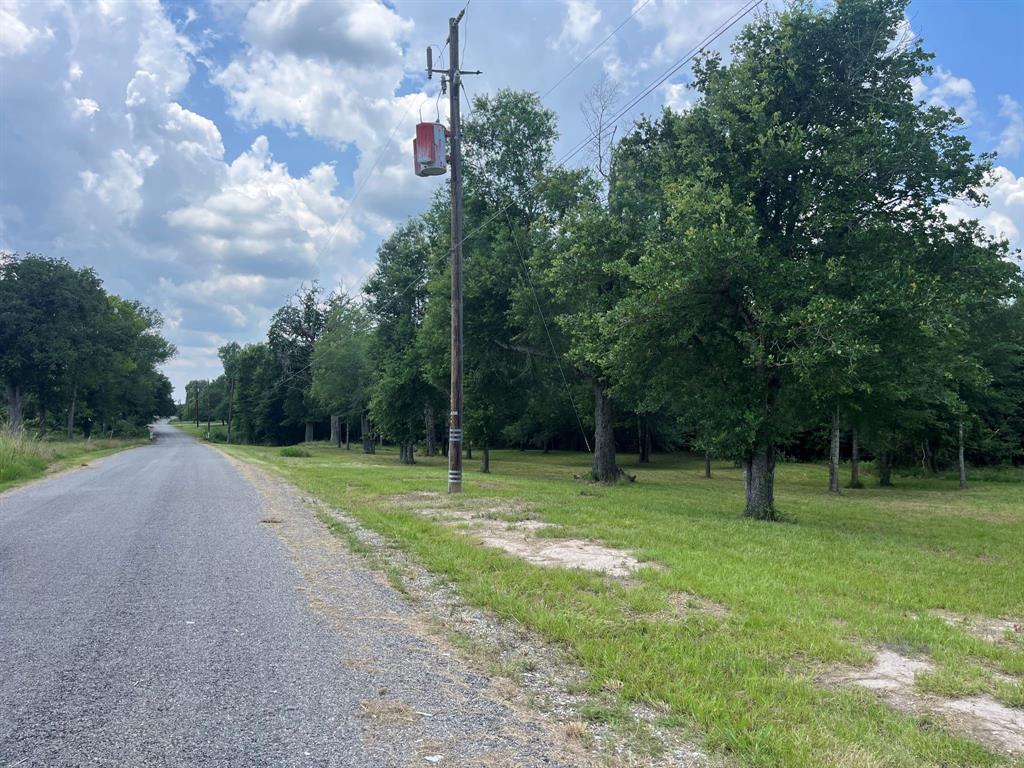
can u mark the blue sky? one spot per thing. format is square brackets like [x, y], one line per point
[205, 155]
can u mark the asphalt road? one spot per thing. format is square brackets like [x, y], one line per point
[149, 618]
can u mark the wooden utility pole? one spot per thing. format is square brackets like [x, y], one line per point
[429, 163]
[455, 417]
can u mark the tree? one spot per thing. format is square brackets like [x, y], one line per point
[341, 364]
[65, 341]
[228, 355]
[48, 317]
[294, 331]
[807, 137]
[396, 294]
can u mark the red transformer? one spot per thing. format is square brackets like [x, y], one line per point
[428, 149]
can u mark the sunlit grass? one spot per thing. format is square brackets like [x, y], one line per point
[840, 577]
[23, 458]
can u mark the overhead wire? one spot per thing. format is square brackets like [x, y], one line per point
[595, 49]
[675, 67]
[646, 91]
[547, 331]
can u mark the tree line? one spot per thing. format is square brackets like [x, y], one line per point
[75, 359]
[768, 274]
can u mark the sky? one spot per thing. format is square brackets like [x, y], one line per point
[208, 157]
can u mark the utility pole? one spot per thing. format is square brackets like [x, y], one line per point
[429, 161]
[454, 107]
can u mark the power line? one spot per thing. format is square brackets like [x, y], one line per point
[675, 67]
[547, 331]
[679, 64]
[595, 49]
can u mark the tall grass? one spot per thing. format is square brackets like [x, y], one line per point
[23, 457]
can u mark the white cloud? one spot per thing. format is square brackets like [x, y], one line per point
[364, 33]
[944, 89]
[679, 97]
[581, 19]
[333, 69]
[145, 194]
[1012, 137]
[86, 107]
[1004, 216]
[684, 25]
[16, 36]
[263, 220]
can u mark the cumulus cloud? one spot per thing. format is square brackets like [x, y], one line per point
[119, 174]
[1004, 216]
[944, 89]
[15, 35]
[263, 220]
[364, 34]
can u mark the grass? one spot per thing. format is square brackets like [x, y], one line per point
[842, 576]
[24, 458]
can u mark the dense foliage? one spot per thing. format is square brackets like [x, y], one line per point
[74, 358]
[769, 274]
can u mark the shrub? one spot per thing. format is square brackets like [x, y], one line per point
[294, 452]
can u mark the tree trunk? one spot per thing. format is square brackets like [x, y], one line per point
[643, 438]
[833, 459]
[603, 468]
[927, 457]
[309, 431]
[406, 453]
[348, 445]
[469, 450]
[42, 415]
[15, 417]
[960, 454]
[231, 404]
[759, 484]
[71, 412]
[364, 425]
[855, 461]
[335, 431]
[485, 462]
[707, 465]
[428, 426]
[884, 462]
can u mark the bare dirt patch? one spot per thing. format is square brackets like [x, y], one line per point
[988, 629]
[685, 604]
[561, 553]
[989, 721]
[509, 525]
[982, 718]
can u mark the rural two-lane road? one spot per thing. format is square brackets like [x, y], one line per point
[149, 618]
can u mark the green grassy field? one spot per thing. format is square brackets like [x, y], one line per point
[840, 577]
[23, 459]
